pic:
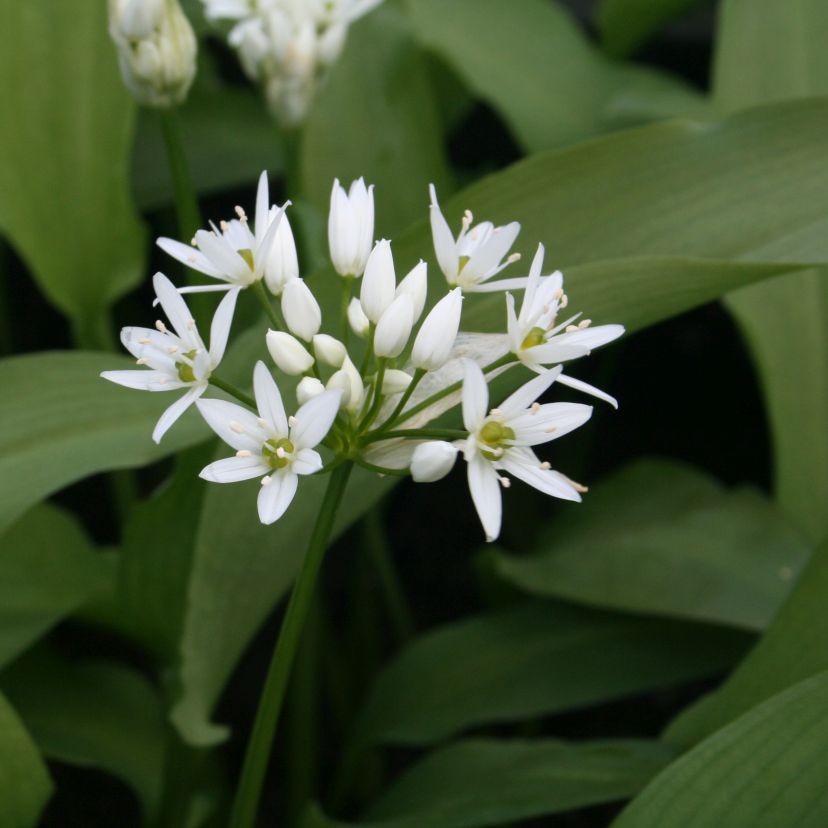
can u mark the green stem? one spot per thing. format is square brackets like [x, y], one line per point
[364, 464]
[416, 434]
[181, 767]
[347, 294]
[383, 560]
[415, 381]
[246, 804]
[186, 204]
[231, 389]
[267, 305]
[376, 403]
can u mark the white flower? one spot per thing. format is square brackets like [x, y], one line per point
[177, 358]
[470, 260]
[415, 284]
[351, 227]
[329, 350]
[357, 319]
[300, 309]
[282, 263]
[233, 253]
[156, 49]
[432, 461]
[289, 354]
[308, 388]
[500, 441]
[438, 332]
[271, 445]
[379, 284]
[537, 340]
[394, 327]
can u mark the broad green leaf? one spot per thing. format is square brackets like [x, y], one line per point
[536, 659]
[65, 137]
[25, 786]
[765, 770]
[60, 422]
[47, 569]
[93, 714]
[769, 51]
[376, 117]
[531, 63]
[627, 24]
[483, 782]
[660, 537]
[791, 649]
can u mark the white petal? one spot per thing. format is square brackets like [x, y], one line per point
[188, 256]
[143, 380]
[306, 461]
[475, 395]
[176, 410]
[394, 327]
[415, 284]
[237, 426]
[174, 306]
[262, 207]
[521, 399]
[268, 399]
[532, 282]
[300, 309]
[445, 247]
[220, 327]
[544, 480]
[548, 422]
[518, 283]
[234, 469]
[513, 330]
[276, 496]
[488, 255]
[314, 419]
[485, 491]
[224, 258]
[586, 388]
[378, 282]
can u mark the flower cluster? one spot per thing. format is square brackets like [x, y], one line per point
[371, 401]
[287, 45]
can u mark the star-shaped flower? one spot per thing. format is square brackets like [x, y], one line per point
[177, 358]
[272, 445]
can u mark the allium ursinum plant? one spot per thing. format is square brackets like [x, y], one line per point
[373, 402]
[288, 45]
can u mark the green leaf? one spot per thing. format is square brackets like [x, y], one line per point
[25, 786]
[376, 117]
[627, 24]
[536, 659]
[486, 782]
[532, 64]
[93, 714]
[65, 137]
[767, 51]
[791, 649]
[660, 537]
[60, 422]
[765, 770]
[47, 569]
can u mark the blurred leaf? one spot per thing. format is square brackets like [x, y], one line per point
[229, 139]
[60, 422]
[536, 659]
[767, 51]
[663, 538]
[25, 786]
[627, 24]
[792, 649]
[765, 770]
[47, 569]
[93, 714]
[533, 64]
[486, 782]
[376, 117]
[65, 140]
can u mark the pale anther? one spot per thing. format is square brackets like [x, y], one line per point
[571, 328]
[237, 427]
[546, 465]
[242, 453]
[535, 407]
[266, 480]
[141, 361]
[496, 412]
[505, 482]
[160, 326]
[292, 421]
[262, 423]
[584, 323]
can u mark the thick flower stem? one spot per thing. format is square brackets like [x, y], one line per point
[267, 306]
[186, 204]
[230, 389]
[246, 803]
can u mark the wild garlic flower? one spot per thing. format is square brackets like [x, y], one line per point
[351, 227]
[178, 358]
[288, 45]
[156, 50]
[476, 255]
[233, 253]
[268, 443]
[537, 339]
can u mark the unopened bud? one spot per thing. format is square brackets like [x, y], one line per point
[415, 284]
[329, 350]
[394, 327]
[436, 336]
[379, 282]
[351, 227]
[432, 461]
[282, 265]
[301, 310]
[357, 319]
[395, 381]
[289, 354]
[308, 388]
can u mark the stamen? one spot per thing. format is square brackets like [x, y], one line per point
[172, 349]
[237, 427]
[224, 226]
[190, 324]
[505, 482]
[262, 423]
[564, 300]
[584, 323]
[266, 480]
[194, 242]
[160, 326]
[551, 430]
[496, 412]
[241, 214]
[515, 257]
[243, 453]
[535, 407]
[292, 422]
[546, 465]
[468, 218]
[577, 486]
[558, 294]
[571, 328]
[145, 341]
[141, 361]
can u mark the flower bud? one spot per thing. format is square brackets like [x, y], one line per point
[289, 354]
[432, 461]
[301, 310]
[282, 264]
[394, 327]
[436, 336]
[379, 282]
[329, 350]
[415, 284]
[308, 388]
[357, 319]
[395, 382]
[156, 49]
[351, 227]
[348, 380]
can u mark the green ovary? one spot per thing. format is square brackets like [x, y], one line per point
[185, 370]
[247, 254]
[537, 336]
[270, 452]
[493, 438]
